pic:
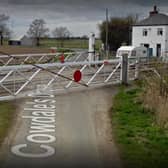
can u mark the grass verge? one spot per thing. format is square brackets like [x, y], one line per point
[7, 114]
[142, 143]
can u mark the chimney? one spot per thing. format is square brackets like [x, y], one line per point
[155, 11]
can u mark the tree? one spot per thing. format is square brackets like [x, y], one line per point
[62, 33]
[4, 30]
[119, 31]
[84, 37]
[38, 30]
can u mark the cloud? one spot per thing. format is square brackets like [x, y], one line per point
[80, 16]
[84, 2]
[148, 2]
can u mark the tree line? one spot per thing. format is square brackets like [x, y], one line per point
[37, 30]
[119, 30]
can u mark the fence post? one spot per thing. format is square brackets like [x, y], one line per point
[137, 68]
[124, 69]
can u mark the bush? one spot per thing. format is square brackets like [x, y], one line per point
[155, 96]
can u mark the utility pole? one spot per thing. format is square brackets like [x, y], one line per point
[107, 32]
[1, 36]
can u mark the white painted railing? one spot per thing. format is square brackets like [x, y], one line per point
[20, 59]
[17, 80]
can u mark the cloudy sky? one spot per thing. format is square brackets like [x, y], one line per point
[80, 16]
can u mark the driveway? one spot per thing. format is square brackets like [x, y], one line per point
[64, 131]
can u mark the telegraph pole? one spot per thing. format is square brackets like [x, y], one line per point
[1, 36]
[107, 32]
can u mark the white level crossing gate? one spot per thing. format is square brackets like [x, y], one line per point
[19, 80]
[21, 59]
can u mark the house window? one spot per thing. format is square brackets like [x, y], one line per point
[145, 32]
[160, 32]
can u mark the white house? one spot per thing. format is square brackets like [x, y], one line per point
[152, 33]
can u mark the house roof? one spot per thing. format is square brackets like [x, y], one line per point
[19, 38]
[156, 19]
[16, 38]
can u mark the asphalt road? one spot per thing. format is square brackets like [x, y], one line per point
[80, 133]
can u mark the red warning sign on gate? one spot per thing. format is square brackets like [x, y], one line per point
[77, 75]
[62, 58]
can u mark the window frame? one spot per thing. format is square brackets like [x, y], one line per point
[160, 31]
[145, 32]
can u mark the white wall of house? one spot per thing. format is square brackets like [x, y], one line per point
[152, 38]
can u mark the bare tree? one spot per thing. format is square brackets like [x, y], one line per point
[4, 30]
[38, 30]
[62, 33]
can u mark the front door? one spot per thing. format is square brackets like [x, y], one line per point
[148, 51]
[158, 50]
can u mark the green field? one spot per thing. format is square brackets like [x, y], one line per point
[68, 43]
[142, 143]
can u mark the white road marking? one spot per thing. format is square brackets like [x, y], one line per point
[42, 124]
[17, 150]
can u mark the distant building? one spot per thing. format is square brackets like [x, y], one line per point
[152, 33]
[27, 41]
[15, 41]
[23, 41]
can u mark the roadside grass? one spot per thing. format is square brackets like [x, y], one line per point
[142, 143]
[7, 115]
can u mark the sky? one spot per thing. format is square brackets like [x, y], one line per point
[81, 17]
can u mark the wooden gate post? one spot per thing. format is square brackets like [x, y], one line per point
[124, 69]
